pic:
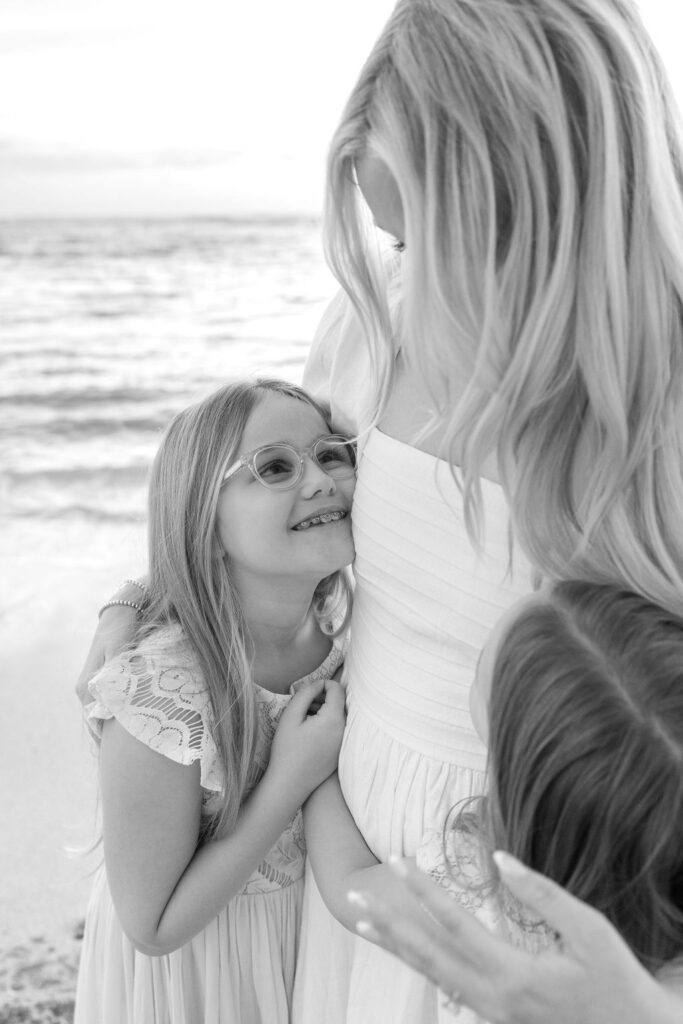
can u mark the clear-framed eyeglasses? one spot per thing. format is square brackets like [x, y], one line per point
[281, 466]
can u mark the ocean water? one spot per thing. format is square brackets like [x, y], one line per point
[107, 328]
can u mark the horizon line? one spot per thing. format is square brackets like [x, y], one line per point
[243, 218]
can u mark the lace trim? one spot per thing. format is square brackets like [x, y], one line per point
[469, 889]
[159, 698]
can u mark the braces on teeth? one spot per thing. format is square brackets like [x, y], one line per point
[326, 517]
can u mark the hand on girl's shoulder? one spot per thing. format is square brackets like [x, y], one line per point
[115, 627]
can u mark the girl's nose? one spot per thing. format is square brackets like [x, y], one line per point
[315, 480]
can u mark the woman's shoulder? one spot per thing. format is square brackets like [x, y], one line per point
[338, 370]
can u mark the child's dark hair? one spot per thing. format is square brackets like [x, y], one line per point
[586, 757]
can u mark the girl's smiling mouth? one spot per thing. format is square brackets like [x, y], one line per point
[333, 515]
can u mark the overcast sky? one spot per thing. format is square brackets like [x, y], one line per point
[157, 107]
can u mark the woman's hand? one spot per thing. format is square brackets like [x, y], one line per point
[114, 630]
[306, 745]
[595, 979]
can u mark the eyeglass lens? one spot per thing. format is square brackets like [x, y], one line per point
[278, 465]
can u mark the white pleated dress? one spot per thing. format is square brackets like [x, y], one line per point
[423, 606]
[240, 968]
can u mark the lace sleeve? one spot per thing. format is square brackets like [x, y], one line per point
[162, 702]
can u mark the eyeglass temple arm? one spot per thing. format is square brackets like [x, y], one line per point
[233, 469]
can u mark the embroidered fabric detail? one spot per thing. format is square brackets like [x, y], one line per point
[468, 887]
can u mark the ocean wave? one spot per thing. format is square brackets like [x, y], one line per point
[111, 327]
[72, 397]
[107, 476]
[84, 428]
[83, 513]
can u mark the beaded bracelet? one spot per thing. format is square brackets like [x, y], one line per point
[124, 604]
[138, 584]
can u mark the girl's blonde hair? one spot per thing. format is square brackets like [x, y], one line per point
[586, 757]
[538, 157]
[189, 579]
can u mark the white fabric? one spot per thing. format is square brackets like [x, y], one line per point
[240, 968]
[423, 606]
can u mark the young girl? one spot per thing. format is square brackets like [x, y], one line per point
[205, 755]
[579, 697]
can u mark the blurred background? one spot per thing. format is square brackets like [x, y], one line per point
[161, 180]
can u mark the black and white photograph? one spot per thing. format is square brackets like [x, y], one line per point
[341, 486]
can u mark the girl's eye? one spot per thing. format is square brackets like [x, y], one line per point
[329, 457]
[338, 457]
[276, 467]
[331, 453]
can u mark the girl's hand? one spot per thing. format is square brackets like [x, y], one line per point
[595, 979]
[306, 746]
[114, 629]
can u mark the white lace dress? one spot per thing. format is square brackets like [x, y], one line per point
[453, 862]
[240, 968]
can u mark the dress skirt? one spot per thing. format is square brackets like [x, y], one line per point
[238, 970]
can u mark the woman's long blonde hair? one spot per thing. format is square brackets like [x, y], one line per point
[538, 156]
[190, 582]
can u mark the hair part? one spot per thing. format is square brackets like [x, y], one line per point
[538, 156]
[586, 757]
[190, 582]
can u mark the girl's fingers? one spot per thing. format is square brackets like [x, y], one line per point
[335, 698]
[305, 696]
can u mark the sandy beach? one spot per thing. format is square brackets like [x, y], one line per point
[47, 765]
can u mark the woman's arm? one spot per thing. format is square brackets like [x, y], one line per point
[164, 888]
[595, 979]
[339, 856]
[115, 629]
